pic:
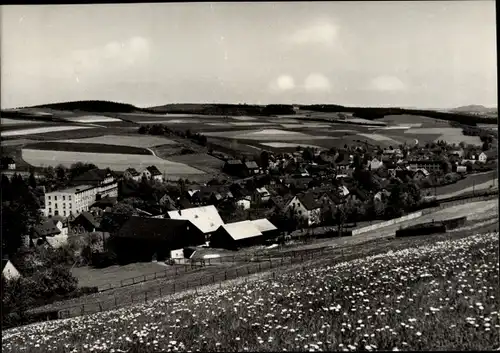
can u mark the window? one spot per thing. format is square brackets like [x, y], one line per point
[55, 205]
[55, 198]
[64, 204]
[64, 213]
[49, 197]
[56, 213]
[69, 197]
[64, 198]
[50, 203]
[50, 210]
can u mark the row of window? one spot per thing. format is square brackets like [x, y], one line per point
[63, 197]
[56, 212]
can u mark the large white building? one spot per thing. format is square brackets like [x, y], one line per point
[71, 201]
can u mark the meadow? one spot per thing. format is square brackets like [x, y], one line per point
[439, 296]
[114, 161]
[41, 130]
[87, 147]
[134, 140]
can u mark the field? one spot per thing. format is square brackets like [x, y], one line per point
[41, 130]
[266, 135]
[287, 145]
[118, 162]
[477, 181]
[440, 296]
[11, 122]
[114, 274]
[449, 134]
[201, 161]
[92, 119]
[126, 140]
[50, 146]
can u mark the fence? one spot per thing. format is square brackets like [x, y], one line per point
[294, 257]
[195, 264]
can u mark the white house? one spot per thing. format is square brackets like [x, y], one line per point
[374, 164]
[133, 174]
[482, 158]
[306, 207]
[155, 173]
[262, 195]
[9, 271]
[244, 202]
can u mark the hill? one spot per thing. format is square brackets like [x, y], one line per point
[474, 109]
[224, 109]
[94, 106]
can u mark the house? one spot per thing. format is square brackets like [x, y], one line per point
[305, 206]
[9, 271]
[244, 202]
[103, 180]
[420, 174]
[8, 163]
[73, 200]
[84, 223]
[456, 152]
[142, 239]
[236, 235]
[432, 166]
[381, 195]
[252, 168]
[52, 232]
[234, 167]
[268, 230]
[485, 156]
[357, 194]
[133, 174]
[461, 169]
[261, 195]
[374, 164]
[154, 173]
[343, 191]
[167, 203]
[206, 218]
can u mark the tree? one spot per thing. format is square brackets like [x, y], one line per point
[60, 171]
[32, 180]
[79, 168]
[113, 220]
[264, 159]
[6, 189]
[143, 130]
[308, 154]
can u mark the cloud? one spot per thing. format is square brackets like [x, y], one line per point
[387, 84]
[282, 83]
[114, 55]
[321, 32]
[317, 83]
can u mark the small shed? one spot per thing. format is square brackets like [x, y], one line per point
[236, 235]
[9, 271]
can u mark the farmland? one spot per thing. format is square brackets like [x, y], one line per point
[40, 130]
[114, 161]
[133, 140]
[88, 148]
[440, 296]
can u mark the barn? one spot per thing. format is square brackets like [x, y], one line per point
[206, 218]
[268, 230]
[236, 235]
[141, 239]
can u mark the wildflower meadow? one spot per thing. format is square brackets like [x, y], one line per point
[441, 296]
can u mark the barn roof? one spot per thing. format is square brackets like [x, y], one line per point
[242, 230]
[154, 170]
[153, 228]
[263, 225]
[206, 218]
[47, 228]
[133, 172]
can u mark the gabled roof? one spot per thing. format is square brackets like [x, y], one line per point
[92, 176]
[263, 225]
[206, 218]
[153, 170]
[308, 201]
[251, 165]
[89, 218]
[153, 228]
[133, 172]
[47, 228]
[242, 230]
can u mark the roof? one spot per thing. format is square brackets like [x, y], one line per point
[58, 218]
[251, 165]
[206, 218]
[309, 202]
[133, 172]
[153, 228]
[423, 171]
[47, 228]
[242, 230]
[105, 202]
[88, 216]
[93, 175]
[262, 191]
[426, 161]
[56, 241]
[263, 225]
[8, 160]
[234, 161]
[73, 190]
[153, 170]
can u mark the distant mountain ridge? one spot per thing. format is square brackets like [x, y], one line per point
[474, 108]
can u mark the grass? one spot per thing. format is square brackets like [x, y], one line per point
[476, 180]
[113, 275]
[135, 140]
[440, 296]
[88, 147]
[40, 130]
[200, 160]
[115, 161]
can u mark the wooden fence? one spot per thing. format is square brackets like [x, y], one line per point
[194, 265]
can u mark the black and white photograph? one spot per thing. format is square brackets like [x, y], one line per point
[249, 177]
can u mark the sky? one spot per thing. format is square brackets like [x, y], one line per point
[410, 54]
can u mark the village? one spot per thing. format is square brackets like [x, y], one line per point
[138, 216]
